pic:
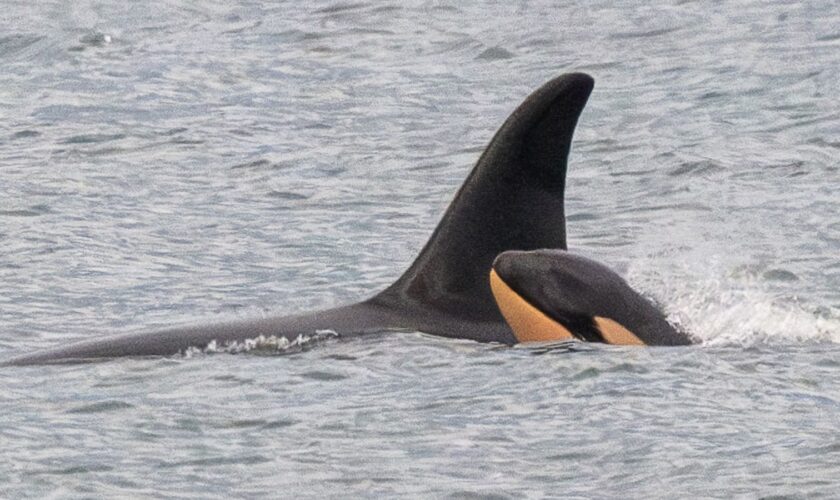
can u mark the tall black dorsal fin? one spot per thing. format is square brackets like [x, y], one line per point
[512, 200]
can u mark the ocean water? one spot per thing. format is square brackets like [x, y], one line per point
[184, 162]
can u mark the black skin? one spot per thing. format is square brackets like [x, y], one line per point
[572, 290]
[512, 200]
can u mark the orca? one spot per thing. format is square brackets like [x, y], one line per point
[513, 199]
[553, 295]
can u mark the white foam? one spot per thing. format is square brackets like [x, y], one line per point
[720, 307]
[263, 344]
[720, 316]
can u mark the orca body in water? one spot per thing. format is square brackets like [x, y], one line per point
[512, 200]
[550, 295]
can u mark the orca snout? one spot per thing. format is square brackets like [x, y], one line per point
[528, 321]
[505, 264]
[550, 295]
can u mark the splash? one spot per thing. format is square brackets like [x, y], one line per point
[263, 345]
[725, 308]
[721, 316]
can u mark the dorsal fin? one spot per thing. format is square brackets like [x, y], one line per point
[512, 200]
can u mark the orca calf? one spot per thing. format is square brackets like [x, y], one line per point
[512, 200]
[549, 295]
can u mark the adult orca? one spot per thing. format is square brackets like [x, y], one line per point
[512, 200]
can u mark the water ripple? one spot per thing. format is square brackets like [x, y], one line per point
[172, 162]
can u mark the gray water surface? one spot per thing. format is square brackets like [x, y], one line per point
[184, 162]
